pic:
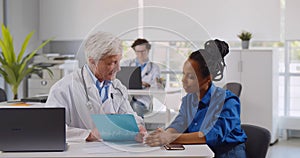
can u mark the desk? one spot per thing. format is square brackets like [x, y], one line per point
[99, 149]
[18, 104]
[152, 91]
[170, 97]
[160, 94]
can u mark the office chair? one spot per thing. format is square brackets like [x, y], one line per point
[258, 141]
[3, 96]
[234, 87]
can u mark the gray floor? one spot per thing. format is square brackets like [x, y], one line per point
[285, 149]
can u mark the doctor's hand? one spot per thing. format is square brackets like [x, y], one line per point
[160, 137]
[94, 136]
[146, 85]
[142, 133]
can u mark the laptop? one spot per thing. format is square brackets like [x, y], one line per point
[32, 129]
[116, 127]
[130, 76]
[41, 99]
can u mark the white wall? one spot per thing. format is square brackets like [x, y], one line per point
[292, 27]
[23, 17]
[74, 19]
[1, 13]
[163, 20]
[225, 18]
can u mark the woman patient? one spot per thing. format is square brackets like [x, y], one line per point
[208, 114]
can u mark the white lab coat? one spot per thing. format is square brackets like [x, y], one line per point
[149, 75]
[69, 92]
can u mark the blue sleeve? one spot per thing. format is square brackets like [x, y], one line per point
[227, 126]
[180, 122]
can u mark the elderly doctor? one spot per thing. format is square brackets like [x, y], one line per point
[150, 73]
[93, 90]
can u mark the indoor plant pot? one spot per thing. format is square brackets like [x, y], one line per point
[245, 36]
[245, 44]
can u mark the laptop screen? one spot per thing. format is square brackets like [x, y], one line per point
[32, 129]
[130, 76]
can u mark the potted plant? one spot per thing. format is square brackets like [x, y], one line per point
[245, 36]
[15, 68]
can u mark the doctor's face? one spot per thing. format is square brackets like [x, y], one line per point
[107, 67]
[141, 53]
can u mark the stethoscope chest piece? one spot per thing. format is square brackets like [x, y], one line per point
[89, 105]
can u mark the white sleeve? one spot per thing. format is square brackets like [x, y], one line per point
[58, 97]
[155, 73]
[76, 134]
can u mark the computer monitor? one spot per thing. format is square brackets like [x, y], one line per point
[130, 76]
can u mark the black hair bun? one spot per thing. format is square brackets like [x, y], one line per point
[217, 45]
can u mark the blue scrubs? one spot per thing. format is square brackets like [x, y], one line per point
[217, 115]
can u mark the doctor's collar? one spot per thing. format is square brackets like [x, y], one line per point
[137, 63]
[94, 78]
[91, 74]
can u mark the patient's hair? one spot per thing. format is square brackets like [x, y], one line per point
[211, 58]
[141, 41]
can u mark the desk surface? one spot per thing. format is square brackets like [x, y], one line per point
[18, 104]
[99, 149]
[151, 91]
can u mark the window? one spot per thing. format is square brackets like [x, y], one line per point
[292, 77]
[170, 56]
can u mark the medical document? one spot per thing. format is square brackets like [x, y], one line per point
[116, 127]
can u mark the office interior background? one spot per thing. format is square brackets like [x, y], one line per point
[174, 27]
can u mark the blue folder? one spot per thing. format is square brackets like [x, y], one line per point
[116, 127]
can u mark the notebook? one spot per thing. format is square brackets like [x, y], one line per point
[130, 76]
[32, 129]
[116, 127]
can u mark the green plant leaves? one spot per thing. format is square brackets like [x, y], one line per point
[24, 46]
[245, 35]
[7, 44]
[15, 69]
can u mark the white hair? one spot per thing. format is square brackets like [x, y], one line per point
[102, 44]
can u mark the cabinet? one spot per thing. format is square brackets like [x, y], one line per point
[40, 86]
[257, 71]
[59, 65]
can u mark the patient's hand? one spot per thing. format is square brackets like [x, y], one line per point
[142, 133]
[160, 137]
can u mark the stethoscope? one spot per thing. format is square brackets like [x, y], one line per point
[89, 103]
[148, 70]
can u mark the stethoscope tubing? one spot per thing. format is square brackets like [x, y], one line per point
[84, 85]
[89, 104]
